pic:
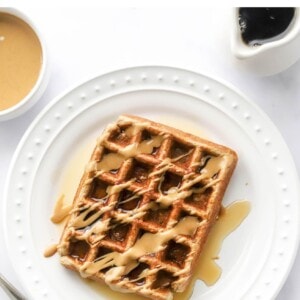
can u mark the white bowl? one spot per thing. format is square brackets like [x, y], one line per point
[269, 58]
[40, 85]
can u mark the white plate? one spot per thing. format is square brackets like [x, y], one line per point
[255, 259]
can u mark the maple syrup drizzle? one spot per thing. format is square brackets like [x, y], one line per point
[207, 270]
[229, 219]
[61, 210]
[70, 180]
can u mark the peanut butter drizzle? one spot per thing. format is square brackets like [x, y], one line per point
[98, 229]
[162, 167]
[112, 161]
[113, 189]
[148, 145]
[133, 130]
[145, 147]
[20, 60]
[167, 163]
[148, 243]
[82, 220]
[50, 251]
[212, 167]
[61, 210]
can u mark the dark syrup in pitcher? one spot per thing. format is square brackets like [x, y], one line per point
[260, 24]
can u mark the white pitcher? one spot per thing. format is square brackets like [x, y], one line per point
[271, 57]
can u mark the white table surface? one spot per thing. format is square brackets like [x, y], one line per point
[85, 42]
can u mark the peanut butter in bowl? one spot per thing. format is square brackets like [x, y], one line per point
[22, 61]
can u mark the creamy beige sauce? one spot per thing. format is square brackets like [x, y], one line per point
[113, 189]
[212, 167]
[112, 161]
[82, 220]
[50, 251]
[20, 60]
[146, 147]
[166, 164]
[133, 130]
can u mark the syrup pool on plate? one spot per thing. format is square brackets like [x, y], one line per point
[183, 124]
[70, 179]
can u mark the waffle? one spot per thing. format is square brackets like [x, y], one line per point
[144, 207]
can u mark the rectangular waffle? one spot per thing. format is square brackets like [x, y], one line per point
[144, 207]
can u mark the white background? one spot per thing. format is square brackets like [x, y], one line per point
[85, 42]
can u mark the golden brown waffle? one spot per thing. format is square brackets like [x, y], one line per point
[144, 207]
